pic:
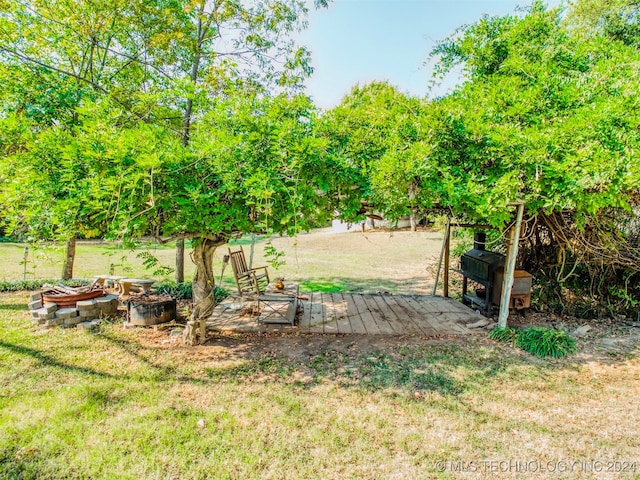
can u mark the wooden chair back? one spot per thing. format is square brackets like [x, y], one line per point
[238, 261]
[248, 280]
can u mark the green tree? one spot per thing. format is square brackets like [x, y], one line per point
[548, 115]
[164, 66]
[373, 124]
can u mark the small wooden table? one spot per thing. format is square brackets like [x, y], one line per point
[278, 306]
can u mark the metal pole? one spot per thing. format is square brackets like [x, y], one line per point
[507, 282]
[444, 246]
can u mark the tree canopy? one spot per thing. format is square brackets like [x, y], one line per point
[187, 120]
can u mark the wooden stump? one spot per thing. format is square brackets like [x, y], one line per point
[195, 332]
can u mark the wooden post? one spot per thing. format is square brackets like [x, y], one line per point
[445, 276]
[507, 282]
[442, 251]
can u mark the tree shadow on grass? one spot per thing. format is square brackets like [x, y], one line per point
[159, 372]
[50, 361]
[22, 464]
[13, 306]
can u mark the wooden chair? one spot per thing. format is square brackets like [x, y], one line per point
[248, 280]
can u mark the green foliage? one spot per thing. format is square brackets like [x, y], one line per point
[273, 256]
[507, 334]
[151, 262]
[542, 342]
[184, 290]
[181, 291]
[546, 342]
[7, 286]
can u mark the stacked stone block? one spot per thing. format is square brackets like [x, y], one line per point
[85, 314]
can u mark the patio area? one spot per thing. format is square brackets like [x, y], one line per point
[346, 313]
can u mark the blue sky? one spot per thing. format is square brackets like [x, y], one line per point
[358, 41]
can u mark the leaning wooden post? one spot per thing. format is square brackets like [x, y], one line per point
[507, 282]
[444, 245]
[445, 275]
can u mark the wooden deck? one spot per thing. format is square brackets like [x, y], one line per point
[374, 314]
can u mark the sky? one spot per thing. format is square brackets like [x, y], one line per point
[359, 41]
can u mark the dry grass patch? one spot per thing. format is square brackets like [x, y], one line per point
[119, 403]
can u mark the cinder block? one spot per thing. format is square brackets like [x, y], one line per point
[88, 324]
[83, 304]
[72, 321]
[35, 296]
[36, 304]
[54, 322]
[34, 313]
[44, 315]
[50, 307]
[65, 313]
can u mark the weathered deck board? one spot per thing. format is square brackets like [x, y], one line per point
[369, 323]
[408, 316]
[317, 314]
[344, 313]
[379, 319]
[330, 324]
[357, 325]
[305, 318]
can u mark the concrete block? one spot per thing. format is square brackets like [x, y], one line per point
[72, 321]
[50, 307]
[35, 296]
[88, 324]
[108, 306]
[84, 304]
[65, 313]
[89, 314]
[54, 322]
[34, 313]
[35, 305]
[46, 316]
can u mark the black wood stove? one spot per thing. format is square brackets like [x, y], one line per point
[480, 266]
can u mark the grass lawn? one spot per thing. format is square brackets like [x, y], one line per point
[319, 261]
[116, 403]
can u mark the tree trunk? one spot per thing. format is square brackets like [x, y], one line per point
[413, 217]
[69, 258]
[180, 260]
[203, 280]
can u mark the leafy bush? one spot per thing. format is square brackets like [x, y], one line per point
[543, 342]
[184, 290]
[181, 291]
[506, 334]
[546, 342]
[7, 286]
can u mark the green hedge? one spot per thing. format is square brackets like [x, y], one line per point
[7, 286]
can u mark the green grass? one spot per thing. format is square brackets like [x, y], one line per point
[337, 285]
[546, 342]
[366, 263]
[542, 342]
[117, 403]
